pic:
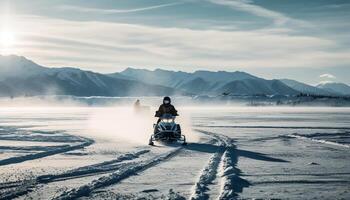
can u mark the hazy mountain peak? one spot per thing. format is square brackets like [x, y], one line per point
[162, 70]
[131, 69]
[324, 83]
[14, 66]
[16, 60]
[81, 82]
[223, 76]
[305, 88]
[329, 83]
[340, 88]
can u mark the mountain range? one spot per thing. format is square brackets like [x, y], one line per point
[22, 77]
[213, 83]
[337, 88]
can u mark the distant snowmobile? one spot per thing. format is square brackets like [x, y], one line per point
[166, 130]
[141, 109]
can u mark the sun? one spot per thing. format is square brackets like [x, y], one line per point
[7, 39]
[7, 42]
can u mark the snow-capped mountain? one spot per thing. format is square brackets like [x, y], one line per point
[178, 79]
[159, 76]
[208, 82]
[20, 76]
[257, 87]
[305, 88]
[15, 66]
[339, 88]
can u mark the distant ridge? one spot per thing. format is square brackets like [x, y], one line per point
[307, 89]
[339, 88]
[22, 77]
[208, 82]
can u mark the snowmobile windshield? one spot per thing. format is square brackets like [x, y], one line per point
[168, 118]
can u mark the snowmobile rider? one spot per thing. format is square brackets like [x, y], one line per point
[137, 104]
[166, 108]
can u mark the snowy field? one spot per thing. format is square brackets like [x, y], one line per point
[233, 153]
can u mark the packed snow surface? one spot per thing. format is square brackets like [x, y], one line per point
[232, 153]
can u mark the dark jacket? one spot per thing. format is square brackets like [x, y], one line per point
[166, 109]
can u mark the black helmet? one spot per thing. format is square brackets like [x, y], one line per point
[166, 100]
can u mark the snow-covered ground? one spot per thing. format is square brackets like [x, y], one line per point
[233, 153]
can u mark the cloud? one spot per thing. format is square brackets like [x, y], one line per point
[324, 82]
[108, 47]
[113, 11]
[329, 76]
[336, 6]
[248, 6]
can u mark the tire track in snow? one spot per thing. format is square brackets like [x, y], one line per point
[232, 183]
[26, 186]
[13, 160]
[276, 127]
[89, 170]
[207, 176]
[19, 189]
[126, 170]
[297, 136]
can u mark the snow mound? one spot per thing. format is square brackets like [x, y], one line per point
[336, 139]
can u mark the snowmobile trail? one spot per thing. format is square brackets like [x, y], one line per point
[314, 138]
[103, 167]
[17, 189]
[126, 170]
[230, 181]
[207, 176]
[211, 175]
[260, 161]
[66, 142]
[177, 175]
[277, 127]
[13, 160]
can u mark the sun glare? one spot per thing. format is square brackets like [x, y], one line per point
[7, 41]
[7, 38]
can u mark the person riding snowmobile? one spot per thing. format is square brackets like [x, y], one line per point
[166, 129]
[166, 108]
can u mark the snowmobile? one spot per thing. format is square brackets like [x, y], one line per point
[166, 130]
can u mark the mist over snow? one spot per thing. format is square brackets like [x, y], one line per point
[261, 89]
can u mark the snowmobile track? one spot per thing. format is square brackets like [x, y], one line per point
[89, 170]
[302, 137]
[277, 127]
[26, 186]
[125, 170]
[19, 159]
[232, 183]
[207, 176]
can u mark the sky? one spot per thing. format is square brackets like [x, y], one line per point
[308, 41]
